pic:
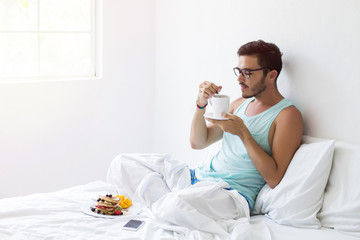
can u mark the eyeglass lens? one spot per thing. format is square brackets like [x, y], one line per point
[244, 73]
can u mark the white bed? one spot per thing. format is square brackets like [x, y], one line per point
[318, 198]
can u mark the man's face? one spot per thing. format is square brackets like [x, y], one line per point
[256, 83]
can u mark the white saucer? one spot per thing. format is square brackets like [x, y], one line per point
[211, 116]
[85, 208]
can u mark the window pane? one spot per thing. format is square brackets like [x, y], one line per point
[19, 54]
[47, 38]
[75, 15]
[18, 15]
[64, 54]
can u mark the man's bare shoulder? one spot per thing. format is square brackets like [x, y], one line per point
[290, 118]
[236, 103]
[290, 112]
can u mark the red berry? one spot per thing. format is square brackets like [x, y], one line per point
[117, 211]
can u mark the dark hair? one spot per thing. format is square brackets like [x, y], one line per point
[268, 54]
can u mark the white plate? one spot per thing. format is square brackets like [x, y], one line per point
[85, 208]
[211, 116]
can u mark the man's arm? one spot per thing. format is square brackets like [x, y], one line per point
[286, 140]
[202, 135]
[287, 135]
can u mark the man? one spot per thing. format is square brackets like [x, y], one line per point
[259, 140]
[263, 131]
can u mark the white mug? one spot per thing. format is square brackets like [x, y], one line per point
[220, 104]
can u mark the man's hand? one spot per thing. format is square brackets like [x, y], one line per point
[206, 91]
[202, 135]
[235, 125]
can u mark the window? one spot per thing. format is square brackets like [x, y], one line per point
[49, 39]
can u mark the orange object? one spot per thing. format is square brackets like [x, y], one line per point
[124, 202]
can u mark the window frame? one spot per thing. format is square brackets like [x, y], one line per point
[96, 52]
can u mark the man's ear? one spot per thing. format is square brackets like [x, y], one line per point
[273, 74]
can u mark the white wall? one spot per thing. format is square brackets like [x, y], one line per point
[156, 53]
[59, 134]
[198, 40]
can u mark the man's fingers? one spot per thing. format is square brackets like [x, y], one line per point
[215, 88]
[211, 86]
[209, 92]
[229, 116]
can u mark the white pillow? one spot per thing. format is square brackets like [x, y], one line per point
[341, 207]
[298, 197]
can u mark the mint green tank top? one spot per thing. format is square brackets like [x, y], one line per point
[232, 163]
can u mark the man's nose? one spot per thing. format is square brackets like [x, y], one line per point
[240, 78]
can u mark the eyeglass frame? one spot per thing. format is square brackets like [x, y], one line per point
[246, 69]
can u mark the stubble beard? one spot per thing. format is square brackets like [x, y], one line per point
[256, 90]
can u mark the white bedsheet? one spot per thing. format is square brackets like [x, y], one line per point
[280, 232]
[57, 215]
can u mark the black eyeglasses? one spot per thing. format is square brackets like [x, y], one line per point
[246, 73]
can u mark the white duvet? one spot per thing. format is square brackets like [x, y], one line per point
[58, 215]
